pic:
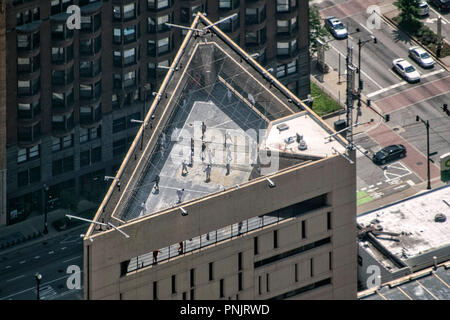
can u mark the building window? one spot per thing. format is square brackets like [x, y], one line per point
[28, 154]
[158, 4]
[29, 176]
[192, 294]
[221, 289]
[28, 110]
[328, 220]
[303, 229]
[360, 261]
[296, 272]
[174, 288]
[240, 282]
[211, 271]
[267, 282]
[275, 239]
[330, 260]
[192, 277]
[62, 166]
[90, 156]
[259, 285]
[287, 48]
[311, 266]
[155, 290]
[239, 261]
[286, 5]
[62, 143]
[255, 245]
[184, 296]
[89, 134]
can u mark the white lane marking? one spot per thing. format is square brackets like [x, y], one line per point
[37, 257]
[372, 190]
[63, 248]
[22, 262]
[379, 183]
[410, 182]
[34, 287]
[363, 189]
[432, 73]
[399, 187]
[370, 95]
[77, 257]
[364, 73]
[18, 277]
[371, 186]
[7, 267]
[51, 252]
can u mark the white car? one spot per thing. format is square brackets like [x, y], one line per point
[406, 70]
[423, 9]
[335, 26]
[420, 56]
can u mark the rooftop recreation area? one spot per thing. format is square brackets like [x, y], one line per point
[218, 121]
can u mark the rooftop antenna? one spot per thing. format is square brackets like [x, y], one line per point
[126, 236]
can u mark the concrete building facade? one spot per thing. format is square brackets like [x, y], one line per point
[255, 231]
[70, 94]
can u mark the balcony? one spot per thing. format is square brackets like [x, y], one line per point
[28, 135]
[90, 117]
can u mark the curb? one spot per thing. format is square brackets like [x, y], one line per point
[417, 42]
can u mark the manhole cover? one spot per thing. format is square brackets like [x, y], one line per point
[419, 163]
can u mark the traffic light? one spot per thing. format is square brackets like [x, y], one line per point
[387, 118]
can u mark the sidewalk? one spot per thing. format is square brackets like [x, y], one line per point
[30, 231]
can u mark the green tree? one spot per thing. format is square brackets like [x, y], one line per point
[409, 15]
[316, 30]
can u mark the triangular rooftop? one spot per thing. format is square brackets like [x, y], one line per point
[252, 121]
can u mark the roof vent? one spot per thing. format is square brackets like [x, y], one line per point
[440, 217]
[282, 127]
[302, 145]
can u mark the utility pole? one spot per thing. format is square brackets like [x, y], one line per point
[360, 84]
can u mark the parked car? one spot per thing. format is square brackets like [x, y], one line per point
[392, 152]
[336, 28]
[406, 70]
[420, 56]
[442, 5]
[423, 9]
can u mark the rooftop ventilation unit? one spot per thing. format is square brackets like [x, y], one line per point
[282, 127]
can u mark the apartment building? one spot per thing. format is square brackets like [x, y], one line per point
[232, 189]
[70, 95]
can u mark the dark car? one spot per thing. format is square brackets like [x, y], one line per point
[389, 153]
[442, 5]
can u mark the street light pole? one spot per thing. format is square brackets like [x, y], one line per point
[427, 125]
[360, 45]
[45, 208]
[38, 277]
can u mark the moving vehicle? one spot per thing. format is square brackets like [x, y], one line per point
[336, 28]
[442, 5]
[423, 9]
[420, 56]
[392, 152]
[406, 70]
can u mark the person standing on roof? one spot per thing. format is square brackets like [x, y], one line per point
[208, 172]
[229, 95]
[156, 181]
[180, 194]
[202, 154]
[155, 256]
[203, 130]
[184, 169]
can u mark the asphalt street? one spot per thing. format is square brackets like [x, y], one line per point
[51, 259]
[394, 96]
